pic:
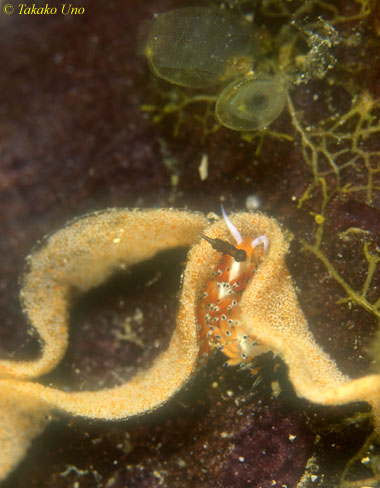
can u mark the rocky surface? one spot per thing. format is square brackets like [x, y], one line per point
[73, 139]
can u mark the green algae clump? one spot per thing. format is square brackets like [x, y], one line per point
[250, 104]
[198, 47]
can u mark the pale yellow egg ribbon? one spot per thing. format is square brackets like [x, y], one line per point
[87, 251]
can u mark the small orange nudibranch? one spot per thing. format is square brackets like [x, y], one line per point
[218, 314]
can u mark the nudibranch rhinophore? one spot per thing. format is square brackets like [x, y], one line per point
[219, 322]
[89, 249]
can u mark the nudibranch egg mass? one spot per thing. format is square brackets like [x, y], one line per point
[198, 47]
[89, 249]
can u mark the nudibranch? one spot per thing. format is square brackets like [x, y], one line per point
[219, 322]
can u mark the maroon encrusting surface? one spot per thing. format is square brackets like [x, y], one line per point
[73, 139]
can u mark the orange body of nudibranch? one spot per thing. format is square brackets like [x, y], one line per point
[218, 311]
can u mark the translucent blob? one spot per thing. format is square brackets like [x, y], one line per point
[198, 47]
[250, 104]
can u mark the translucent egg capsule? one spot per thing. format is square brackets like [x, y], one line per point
[198, 47]
[250, 104]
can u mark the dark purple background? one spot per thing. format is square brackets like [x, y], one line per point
[73, 139]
